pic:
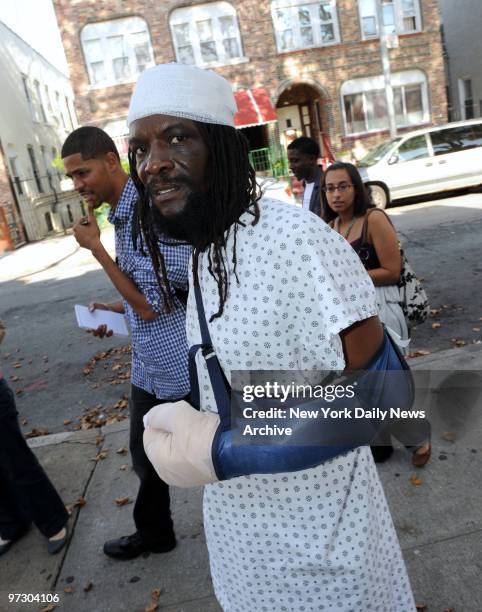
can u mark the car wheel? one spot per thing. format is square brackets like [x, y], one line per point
[379, 196]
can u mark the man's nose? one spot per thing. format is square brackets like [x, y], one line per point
[78, 183]
[159, 160]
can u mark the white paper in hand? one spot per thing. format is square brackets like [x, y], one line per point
[91, 320]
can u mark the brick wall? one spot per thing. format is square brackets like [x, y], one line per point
[325, 67]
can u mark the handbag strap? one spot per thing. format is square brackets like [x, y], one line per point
[364, 234]
[220, 386]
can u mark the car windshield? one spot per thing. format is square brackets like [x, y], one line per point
[376, 154]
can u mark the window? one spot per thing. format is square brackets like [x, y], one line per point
[28, 96]
[466, 98]
[49, 101]
[456, 139]
[206, 34]
[38, 95]
[300, 24]
[60, 109]
[116, 51]
[54, 157]
[33, 162]
[413, 148]
[67, 106]
[399, 17]
[365, 104]
[16, 178]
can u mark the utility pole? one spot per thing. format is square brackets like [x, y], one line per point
[386, 70]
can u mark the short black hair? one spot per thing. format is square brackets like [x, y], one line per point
[91, 142]
[305, 145]
[362, 200]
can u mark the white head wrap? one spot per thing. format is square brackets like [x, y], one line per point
[185, 91]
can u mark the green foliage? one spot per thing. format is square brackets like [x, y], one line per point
[58, 164]
[101, 214]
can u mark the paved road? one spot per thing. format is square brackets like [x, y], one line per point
[442, 239]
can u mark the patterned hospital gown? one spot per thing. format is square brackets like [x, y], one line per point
[323, 538]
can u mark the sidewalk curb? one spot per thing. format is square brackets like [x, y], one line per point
[454, 355]
[81, 436]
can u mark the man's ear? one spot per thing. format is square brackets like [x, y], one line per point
[112, 161]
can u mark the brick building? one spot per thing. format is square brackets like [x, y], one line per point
[309, 67]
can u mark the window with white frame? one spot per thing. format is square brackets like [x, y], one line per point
[364, 102]
[116, 51]
[206, 34]
[399, 17]
[300, 24]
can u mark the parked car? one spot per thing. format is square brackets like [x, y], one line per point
[442, 158]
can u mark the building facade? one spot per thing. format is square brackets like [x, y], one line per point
[36, 114]
[298, 67]
[463, 44]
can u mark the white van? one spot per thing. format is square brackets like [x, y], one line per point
[434, 159]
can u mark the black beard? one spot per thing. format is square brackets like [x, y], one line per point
[193, 224]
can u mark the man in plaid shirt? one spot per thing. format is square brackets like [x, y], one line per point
[159, 346]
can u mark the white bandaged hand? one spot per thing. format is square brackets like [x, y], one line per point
[178, 441]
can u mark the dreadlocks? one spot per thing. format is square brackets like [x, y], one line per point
[231, 191]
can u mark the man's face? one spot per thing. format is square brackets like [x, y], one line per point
[301, 164]
[171, 160]
[91, 177]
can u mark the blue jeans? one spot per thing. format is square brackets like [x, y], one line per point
[26, 493]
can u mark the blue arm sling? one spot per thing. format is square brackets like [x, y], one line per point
[327, 438]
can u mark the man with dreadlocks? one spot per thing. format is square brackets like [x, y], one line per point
[157, 319]
[281, 291]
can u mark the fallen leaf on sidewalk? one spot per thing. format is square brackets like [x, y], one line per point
[15, 378]
[36, 432]
[434, 312]
[99, 440]
[420, 353]
[419, 606]
[476, 329]
[121, 451]
[155, 594]
[123, 501]
[24, 421]
[121, 404]
[17, 365]
[415, 480]
[67, 421]
[460, 343]
[102, 455]
[436, 325]
[69, 589]
[19, 391]
[79, 503]
[48, 608]
[450, 436]
[88, 587]
[124, 467]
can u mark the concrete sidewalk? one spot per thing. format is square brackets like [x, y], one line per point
[438, 520]
[44, 254]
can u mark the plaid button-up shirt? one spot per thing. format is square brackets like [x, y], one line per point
[159, 347]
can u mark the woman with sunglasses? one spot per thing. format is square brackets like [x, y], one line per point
[347, 208]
